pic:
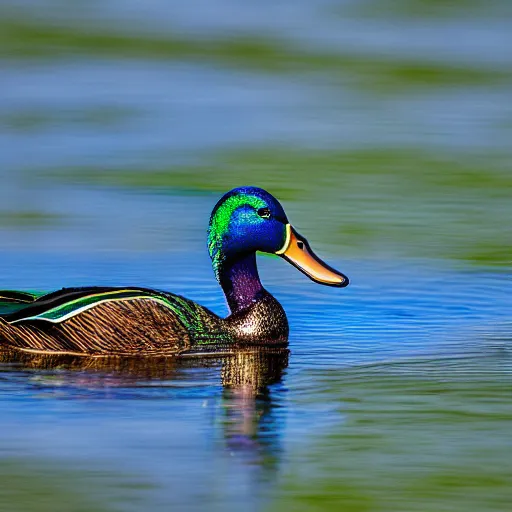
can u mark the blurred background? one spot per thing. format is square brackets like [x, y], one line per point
[385, 129]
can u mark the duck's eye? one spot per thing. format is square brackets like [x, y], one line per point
[300, 244]
[264, 213]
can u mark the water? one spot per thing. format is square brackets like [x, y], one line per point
[392, 399]
[385, 129]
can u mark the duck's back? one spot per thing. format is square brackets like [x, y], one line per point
[106, 321]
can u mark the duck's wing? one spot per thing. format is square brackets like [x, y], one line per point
[59, 306]
[12, 302]
[107, 321]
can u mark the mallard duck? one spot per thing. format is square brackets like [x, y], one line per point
[105, 321]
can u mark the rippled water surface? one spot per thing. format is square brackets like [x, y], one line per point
[384, 128]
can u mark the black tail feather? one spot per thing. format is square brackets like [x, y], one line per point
[13, 296]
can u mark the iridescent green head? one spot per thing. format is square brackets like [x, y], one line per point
[249, 219]
[245, 220]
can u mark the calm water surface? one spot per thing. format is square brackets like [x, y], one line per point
[396, 396]
[385, 129]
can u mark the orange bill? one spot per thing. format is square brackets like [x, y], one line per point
[297, 251]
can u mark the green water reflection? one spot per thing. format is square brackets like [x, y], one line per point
[408, 202]
[425, 436]
[40, 485]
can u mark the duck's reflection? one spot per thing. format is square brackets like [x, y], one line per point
[248, 411]
[249, 370]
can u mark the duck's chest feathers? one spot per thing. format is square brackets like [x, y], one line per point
[263, 321]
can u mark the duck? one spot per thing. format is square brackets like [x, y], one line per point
[134, 321]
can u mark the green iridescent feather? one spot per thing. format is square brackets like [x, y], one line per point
[220, 221]
[12, 300]
[69, 309]
[7, 296]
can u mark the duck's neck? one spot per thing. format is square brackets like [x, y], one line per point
[240, 281]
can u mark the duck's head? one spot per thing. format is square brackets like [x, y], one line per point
[249, 219]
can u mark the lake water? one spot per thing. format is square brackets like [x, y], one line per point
[384, 127]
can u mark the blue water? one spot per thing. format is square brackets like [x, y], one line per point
[182, 439]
